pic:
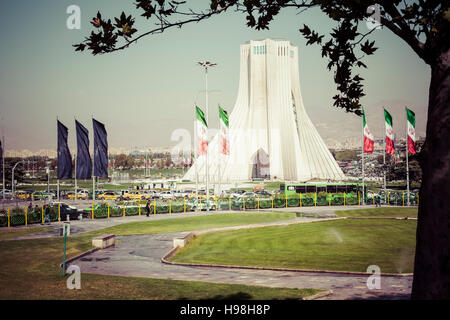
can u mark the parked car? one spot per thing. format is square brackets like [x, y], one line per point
[187, 193]
[109, 195]
[97, 193]
[202, 195]
[68, 210]
[41, 195]
[88, 211]
[263, 193]
[133, 195]
[8, 194]
[83, 196]
[196, 204]
[237, 193]
[22, 195]
[246, 195]
[166, 195]
[149, 194]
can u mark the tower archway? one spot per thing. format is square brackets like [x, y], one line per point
[260, 165]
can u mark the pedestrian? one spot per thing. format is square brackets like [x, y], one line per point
[147, 208]
[47, 214]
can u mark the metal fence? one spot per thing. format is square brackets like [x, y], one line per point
[18, 216]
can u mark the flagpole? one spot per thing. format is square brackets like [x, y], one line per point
[3, 157]
[407, 162]
[57, 175]
[195, 153]
[75, 197]
[207, 136]
[93, 165]
[362, 157]
[218, 156]
[384, 159]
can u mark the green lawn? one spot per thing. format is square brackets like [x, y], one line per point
[195, 223]
[9, 233]
[345, 245]
[29, 268]
[379, 212]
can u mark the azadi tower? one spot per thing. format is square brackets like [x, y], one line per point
[270, 134]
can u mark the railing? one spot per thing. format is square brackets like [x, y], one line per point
[18, 216]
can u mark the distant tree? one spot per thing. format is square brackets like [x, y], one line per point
[423, 25]
[168, 162]
[19, 172]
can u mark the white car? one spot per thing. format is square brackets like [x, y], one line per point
[249, 195]
[186, 193]
[8, 194]
[166, 195]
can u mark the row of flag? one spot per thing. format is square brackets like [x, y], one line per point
[390, 148]
[83, 160]
[202, 135]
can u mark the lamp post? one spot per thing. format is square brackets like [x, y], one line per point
[206, 65]
[12, 177]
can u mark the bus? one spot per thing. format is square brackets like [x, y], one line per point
[295, 188]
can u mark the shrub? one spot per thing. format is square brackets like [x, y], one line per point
[17, 220]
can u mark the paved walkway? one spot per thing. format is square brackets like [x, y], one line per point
[86, 225]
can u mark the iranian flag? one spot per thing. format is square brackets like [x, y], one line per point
[223, 134]
[202, 135]
[411, 129]
[389, 133]
[368, 137]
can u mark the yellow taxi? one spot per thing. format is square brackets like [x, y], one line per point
[109, 195]
[23, 195]
[147, 194]
[71, 196]
[202, 195]
[133, 195]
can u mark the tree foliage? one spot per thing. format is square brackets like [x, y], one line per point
[423, 25]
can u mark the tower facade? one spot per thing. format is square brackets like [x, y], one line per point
[270, 134]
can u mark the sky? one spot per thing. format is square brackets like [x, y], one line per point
[144, 93]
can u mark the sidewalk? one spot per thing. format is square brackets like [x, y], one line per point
[87, 225]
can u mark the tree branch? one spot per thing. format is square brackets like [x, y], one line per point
[408, 37]
[403, 30]
[198, 18]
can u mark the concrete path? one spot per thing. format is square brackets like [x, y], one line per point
[86, 225]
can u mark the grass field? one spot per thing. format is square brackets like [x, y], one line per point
[9, 233]
[344, 245]
[379, 212]
[195, 223]
[29, 269]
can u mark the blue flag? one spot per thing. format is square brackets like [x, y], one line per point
[100, 150]
[64, 157]
[84, 162]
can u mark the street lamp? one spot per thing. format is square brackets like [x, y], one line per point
[207, 65]
[12, 177]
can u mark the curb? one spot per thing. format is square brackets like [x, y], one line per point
[173, 251]
[384, 218]
[68, 261]
[318, 295]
